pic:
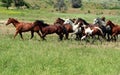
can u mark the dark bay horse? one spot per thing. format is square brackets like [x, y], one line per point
[50, 29]
[23, 27]
[115, 29]
[68, 27]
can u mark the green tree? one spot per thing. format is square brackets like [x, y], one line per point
[19, 3]
[60, 5]
[76, 3]
[6, 3]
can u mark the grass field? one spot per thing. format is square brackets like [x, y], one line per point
[53, 57]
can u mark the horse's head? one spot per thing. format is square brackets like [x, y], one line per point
[73, 20]
[79, 21]
[99, 21]
[11, 20]
[95, 21]
[68, 21]
[108, 23]
[59, 20]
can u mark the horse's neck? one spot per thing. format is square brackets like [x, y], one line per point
[15, 23]
[42, 28]
[112, 25]
[101, 23]
[62, 21]
[71, 23]
[86, 23]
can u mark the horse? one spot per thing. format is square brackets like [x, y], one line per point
[68, 27]
[89, 29]
[76, 28]
[101, 23]
[115, 29]
[50, 29]
[23, 27]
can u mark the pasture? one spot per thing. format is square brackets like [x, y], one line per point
[54, 57]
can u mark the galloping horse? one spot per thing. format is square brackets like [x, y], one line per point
[89, 29]
[76, 28]
[23, 27]
[49, 29]
[68, 27]
[101, 23]
[115, 29]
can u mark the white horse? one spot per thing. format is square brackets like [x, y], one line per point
[98, 21]
[76, 28]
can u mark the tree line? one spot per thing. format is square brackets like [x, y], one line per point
[17, 3]
[59, 4]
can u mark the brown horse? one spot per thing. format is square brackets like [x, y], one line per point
[49, 29]
[115, 29]
[23, 27]
[89, 29]
[68, 27]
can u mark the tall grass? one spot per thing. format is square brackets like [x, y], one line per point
[52, 57]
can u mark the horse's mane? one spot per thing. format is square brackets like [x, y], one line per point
[15, 20]
[109, 21]
[61, 19]
[85, 22]
[41, 23]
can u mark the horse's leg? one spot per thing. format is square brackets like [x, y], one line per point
[39, 34]
[32, 34]
[113, 36]
[21, 35]
[66, 35]
[72, 35]
[108, 37]
[43, 36]
[64, 31]
[93, 37]
[16, 34]
[61, 36]
[77, 36]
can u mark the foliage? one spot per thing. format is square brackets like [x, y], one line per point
[17, 3]
[76, 3]
[60, 5]
[7, 3]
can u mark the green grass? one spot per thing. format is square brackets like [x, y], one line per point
[54, 57]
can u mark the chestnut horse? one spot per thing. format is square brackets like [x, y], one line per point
[49, 29]
[23, 27]
[115, 29]
[68, 27]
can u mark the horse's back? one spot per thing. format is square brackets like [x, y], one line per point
[68, 27]
[116, 29]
